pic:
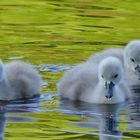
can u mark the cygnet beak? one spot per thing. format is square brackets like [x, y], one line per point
[109, 87]
[137, 70]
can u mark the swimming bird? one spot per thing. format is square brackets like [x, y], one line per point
[18, 80]
[132, 62]
[101, 83]
[129, 56]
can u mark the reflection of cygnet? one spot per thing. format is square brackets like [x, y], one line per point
[108, 129]
[101, 83]
[103, 118]
[2, 124]
[18, 80]
[132, 62]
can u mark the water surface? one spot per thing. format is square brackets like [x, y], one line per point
[54, 35]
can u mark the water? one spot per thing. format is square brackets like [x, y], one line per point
[45, 117]
[54, 35]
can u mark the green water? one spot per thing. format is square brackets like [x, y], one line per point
[62, 32]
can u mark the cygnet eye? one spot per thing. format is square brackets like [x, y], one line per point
[102, 76]
[116, 75]
[132, 59]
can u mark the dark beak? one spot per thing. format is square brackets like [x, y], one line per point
[109, 88]
[137, 69]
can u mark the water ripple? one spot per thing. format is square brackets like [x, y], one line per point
[24, 105]
[52, 68]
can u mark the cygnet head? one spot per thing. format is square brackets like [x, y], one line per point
[110, 74]
[132, 56]
[1, 71]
